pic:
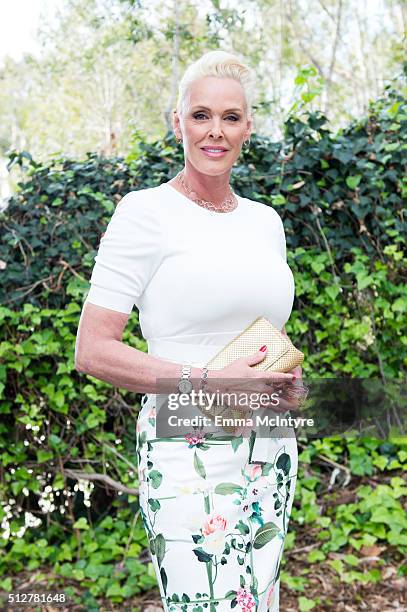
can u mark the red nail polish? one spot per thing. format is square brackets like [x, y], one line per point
[263, 348]
[294, 378]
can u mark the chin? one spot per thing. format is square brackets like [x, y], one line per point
[213, 168]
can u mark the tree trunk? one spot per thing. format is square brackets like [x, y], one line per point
[333, 56]
[175, 68]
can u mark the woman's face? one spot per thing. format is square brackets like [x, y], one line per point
[213, 124]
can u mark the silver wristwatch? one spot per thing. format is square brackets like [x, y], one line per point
[185, 385]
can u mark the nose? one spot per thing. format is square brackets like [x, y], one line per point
[216, 129]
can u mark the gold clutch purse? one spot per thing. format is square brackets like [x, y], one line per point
[282, 356]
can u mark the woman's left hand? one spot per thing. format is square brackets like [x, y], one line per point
[297, 371]
[297, 391]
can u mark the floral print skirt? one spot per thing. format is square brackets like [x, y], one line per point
[216, 522]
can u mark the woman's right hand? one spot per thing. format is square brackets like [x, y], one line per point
[239, 377]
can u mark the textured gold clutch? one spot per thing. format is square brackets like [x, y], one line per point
[282, 356]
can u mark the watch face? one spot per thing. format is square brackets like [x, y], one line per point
[185, 386]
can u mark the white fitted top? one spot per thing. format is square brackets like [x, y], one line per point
[194, 274]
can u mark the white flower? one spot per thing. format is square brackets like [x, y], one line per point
[214, 543]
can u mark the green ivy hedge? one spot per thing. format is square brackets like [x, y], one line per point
[341, 197]
[342, 201]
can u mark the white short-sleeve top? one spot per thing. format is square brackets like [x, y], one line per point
[190, 271]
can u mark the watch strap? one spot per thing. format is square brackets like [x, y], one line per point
[186, 372]
[185, 375]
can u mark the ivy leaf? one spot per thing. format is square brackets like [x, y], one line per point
[114, 590]
[305, 604]
[43, 456]
[59, 399]
[81, 523]
[333, 291]
[400, 305]
[353, 181]
[364, 280]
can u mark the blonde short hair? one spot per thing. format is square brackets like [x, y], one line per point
[219, 64]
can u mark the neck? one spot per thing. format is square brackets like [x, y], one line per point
[212, 188]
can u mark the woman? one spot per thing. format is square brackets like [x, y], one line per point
[200, 263]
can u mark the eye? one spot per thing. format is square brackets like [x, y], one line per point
[201, 115]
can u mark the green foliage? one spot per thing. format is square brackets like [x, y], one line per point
[52, 421]
[341, 199]
[53, 225]
[370, 517]
[376, 514]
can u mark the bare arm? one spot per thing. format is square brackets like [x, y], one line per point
[101, 353]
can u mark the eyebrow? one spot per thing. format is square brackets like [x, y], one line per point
[229, 110]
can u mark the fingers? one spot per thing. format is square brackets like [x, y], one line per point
[278, 405]
[283, 376]
[285, 404]
[287, 396]
[297, 371]
[257, 357]
[278, 402]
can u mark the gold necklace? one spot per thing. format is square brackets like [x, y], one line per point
[229, 204]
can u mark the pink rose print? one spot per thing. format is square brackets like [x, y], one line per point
[252, 471]
[195, 439]
[214, 530]
[215, 522]
[245, 600]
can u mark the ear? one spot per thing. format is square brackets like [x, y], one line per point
[249, 127]
[176, 124]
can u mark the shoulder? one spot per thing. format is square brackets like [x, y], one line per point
[264, 211]
[140, 200]
[138, 213]
[140, 209]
